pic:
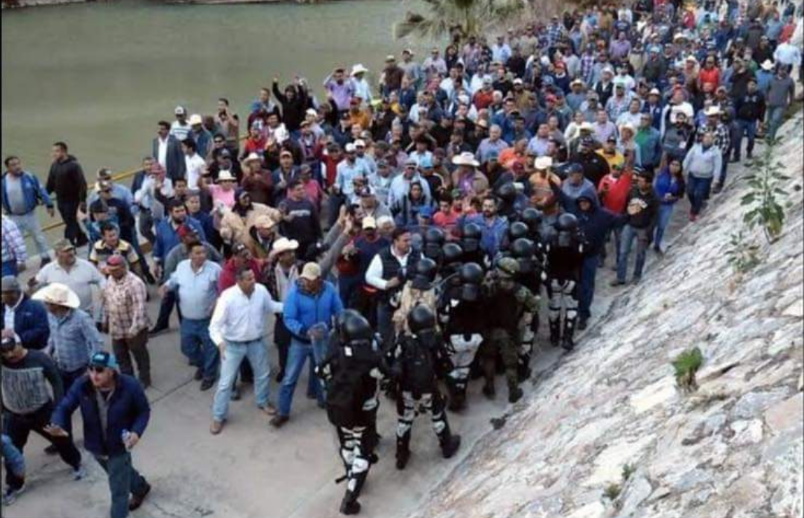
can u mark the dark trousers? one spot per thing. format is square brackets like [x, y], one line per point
[744, 128]
[166, 306]
[697, 192]
[586, 290]
[19, 427]
[282, 341]
[72, 230]
[123, 480]
[67, 380]
[348, 286]
[137, 346]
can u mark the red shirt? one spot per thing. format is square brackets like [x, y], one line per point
[483, 99]
[613, 192]
[710, 77]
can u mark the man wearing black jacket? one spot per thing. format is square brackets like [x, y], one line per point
[299, 217]
[66, 179]
[643, 210]
[750, 108]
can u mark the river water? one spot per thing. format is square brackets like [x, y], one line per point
[99, 76]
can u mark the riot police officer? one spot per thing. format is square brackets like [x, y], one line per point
[564, 259]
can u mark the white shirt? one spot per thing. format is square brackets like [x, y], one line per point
[374, 272]
[162, 154]
[195, 168]
[81, 277]
[238, 318]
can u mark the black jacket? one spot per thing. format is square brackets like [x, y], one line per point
[646, 218]
[750, 107]
[175, 166]
[66, 179]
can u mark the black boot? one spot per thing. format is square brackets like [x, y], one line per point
[402, 457]
[555, 332]
[514, 394]
[569, 331]
[350, 505]
[450, 444]
[523, 367]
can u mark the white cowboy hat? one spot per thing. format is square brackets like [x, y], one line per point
[712, 111]
[226, 176]
[767, 65]
[586, 126]
[284, 244]
[359, 69]
[465, 158]
[264, 222]
[59, 295]
[252, 156]
[542, 163]
[195, 119]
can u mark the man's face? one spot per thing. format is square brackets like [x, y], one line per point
[15, 166]
[264, 95]
[297, 193]
[10, 297]
[178, 214]
[118, 272]
[752, 87]
[402, 243]
[643, 183]
[66, 257]
[286, 161]
[584, 205]
[247, 281]
[311, 285]
[489, 208]
[645, 122]
[162, 132]
[101, 377]
[495, 133]
[198, 255]
[575, 178]
[111, 238]
[57, 153]
[338, 77]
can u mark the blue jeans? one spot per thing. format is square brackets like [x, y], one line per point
[14, 464]
[67, 380]
[775, 119]
[123, 480]
[10, 268]
[30, 223]
[629, 234]
[697, 191]
[257, 354]
[297, 356]
[665, 213]
[744, 127]
[197, 346]
[586, 290]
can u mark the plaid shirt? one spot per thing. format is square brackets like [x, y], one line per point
[13, 243]
[124, 302]
[73, 340]
[722, 136]
[587, 67]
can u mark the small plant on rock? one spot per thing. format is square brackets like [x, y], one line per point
[763, 196]
[743, 256]
[686, 365]
[628, 470]
[612, 491]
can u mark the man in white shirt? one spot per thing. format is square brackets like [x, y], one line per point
[78, 274]
[194, 163]
[237, 328]
[180, 127]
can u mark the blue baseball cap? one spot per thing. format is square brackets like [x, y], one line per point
[426, 162]
[426, 212]
[104, 359]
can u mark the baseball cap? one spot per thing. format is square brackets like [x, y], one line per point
[62, 245]
[104, 359]
[426, 212]
[180, 110]
[311, 272]
[369, 222]
[185, 231]
[10, 283]
[116, 260]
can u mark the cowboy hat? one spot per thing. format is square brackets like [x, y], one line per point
[58, 294]
[265, 222]
[767, 65]
[284, 244]
[712, 111]
[359, 69]
[542, 163]
[252, 157]
[226, 176]
[195, 119]
[465, 158]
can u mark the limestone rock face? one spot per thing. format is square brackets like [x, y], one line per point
[732, 449]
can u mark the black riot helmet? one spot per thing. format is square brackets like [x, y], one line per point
[470, 240]
[424, 274]
[340, 322]
[517, 230]
[471, 276]
[523, 250]
[507, 192]
[421, 319]
[532, 218]
[434, 239]
[567, 227]
[451, 253]
[357, 329]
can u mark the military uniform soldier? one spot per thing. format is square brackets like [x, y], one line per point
[511, 307]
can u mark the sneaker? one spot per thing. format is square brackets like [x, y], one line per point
[10, 495]
[581, 324]
[79, 472]
[269, 409]
[636, 280]
[216, 427]
[693, 217]
[279, 421]
[207, 384]
[617, 282]
[136, 500]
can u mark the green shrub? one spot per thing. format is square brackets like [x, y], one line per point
[686, 366]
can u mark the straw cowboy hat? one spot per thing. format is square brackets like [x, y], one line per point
[767, 65]
[59, 295]
[542, 163]
[359, 69]
[284, 244]
[226, 176]
[465, 158]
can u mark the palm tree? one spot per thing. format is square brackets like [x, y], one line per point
[469, 17]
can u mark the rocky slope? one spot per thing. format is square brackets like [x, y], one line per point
[733, 449]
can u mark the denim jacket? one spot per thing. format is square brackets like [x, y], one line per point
[32, 191]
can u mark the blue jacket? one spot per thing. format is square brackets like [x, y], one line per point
[303, 310]
[30, 323]
[128, 410]
[492, 237]
[666, 184]
[595, 225]
[32, 191]
[167, 238]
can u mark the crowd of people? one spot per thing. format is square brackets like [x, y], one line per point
[401, 232]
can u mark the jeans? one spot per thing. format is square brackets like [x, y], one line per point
[197, 346]
[13, 463]
[123, 480]
[299, 352]
[665, 213]
[617, 232]
[586, 291]
[72, 230]
[10, 268]
[775, 119]
[257, 354]
[19, 427]
[697, 192]
[347, 287]
[744, 127]
[629, 234]
[30, 223]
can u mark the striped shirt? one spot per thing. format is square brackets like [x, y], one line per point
[13, 243]
[73, 340]
[124, 300]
